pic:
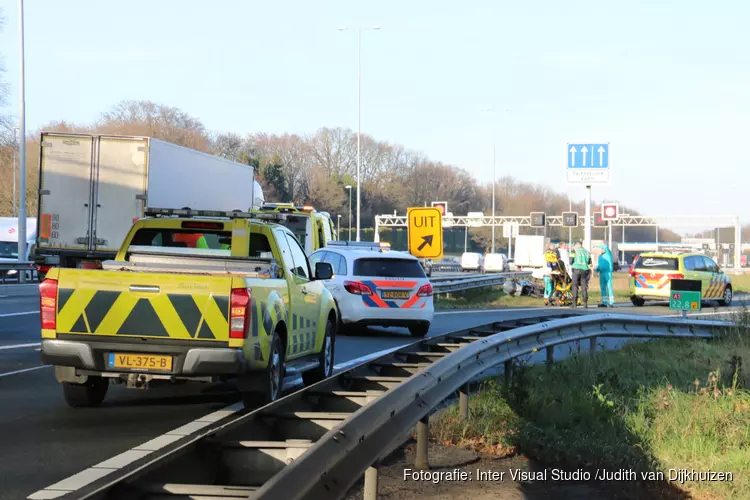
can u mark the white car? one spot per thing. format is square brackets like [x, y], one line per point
[374, 286]
[495, 263]
[471, 261]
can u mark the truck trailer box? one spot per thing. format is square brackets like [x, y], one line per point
[93, 187]
[529, 251]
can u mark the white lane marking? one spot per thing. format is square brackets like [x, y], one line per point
[25, 370]
[23, 313]
[88, 476]
[19, 346]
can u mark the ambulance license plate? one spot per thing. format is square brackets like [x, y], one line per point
[395, 295]
[140, 361]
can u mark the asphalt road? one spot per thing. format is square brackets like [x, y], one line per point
[45, 441]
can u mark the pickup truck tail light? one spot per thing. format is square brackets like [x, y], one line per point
[239, 318]
[48, 304]
[425, 291]
[357, 288]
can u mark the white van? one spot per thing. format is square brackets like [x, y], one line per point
[471, 261]
[495, 263]
[9, 244]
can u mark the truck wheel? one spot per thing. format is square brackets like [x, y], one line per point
[267, 386]
[419, 330]
[86, 395]
[325, 358]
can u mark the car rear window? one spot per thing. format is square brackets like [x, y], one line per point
[388, 268]
[184, 241]
[657, 263]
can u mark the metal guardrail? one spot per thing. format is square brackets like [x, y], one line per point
[16, 266]
[447, 284]
[316, 443]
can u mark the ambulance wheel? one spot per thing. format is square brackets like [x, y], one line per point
[260, 389]
[726, 298]
[637, 301]
[325, 358]
[88, 394]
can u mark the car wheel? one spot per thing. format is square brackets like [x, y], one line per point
[325, 358]
[726, 298]
[419, 330]
[267, 386]
[88, 394]
[637, 301]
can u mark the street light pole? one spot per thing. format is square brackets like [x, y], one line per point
[494, 181]
[22, 149]
[15, 172]
[349, 187]
[359, 121]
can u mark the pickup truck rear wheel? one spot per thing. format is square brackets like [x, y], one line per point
[267, 385]
[325, 358]
[88, 394]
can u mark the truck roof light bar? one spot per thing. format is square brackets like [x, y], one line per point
[189, 213]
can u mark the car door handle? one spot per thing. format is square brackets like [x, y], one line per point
[304, 291]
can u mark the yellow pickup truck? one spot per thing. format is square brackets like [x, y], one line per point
[191, 296]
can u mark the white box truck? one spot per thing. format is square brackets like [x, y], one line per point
[529, 251]
[93, 187]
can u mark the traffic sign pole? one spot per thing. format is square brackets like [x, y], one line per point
[587, 222]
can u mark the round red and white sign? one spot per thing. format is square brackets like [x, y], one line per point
[610, 212]
[11, 230]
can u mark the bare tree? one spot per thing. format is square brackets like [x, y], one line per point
[292, 153]
[155, 120]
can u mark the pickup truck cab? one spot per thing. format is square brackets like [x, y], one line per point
[191, 296]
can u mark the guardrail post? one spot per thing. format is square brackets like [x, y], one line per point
[508, 373]
[592, 346]
[463, 401]
[371, 484]
[550, 357]
[421, 461]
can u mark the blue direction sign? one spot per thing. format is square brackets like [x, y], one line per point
[588, 163]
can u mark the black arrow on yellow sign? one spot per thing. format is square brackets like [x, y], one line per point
[426, 240]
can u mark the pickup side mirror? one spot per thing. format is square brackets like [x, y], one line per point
[323, 271]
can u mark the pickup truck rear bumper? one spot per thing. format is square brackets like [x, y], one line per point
[188, 360]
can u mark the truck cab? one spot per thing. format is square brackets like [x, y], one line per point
[313, 229]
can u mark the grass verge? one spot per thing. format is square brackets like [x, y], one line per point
[493, 297]
[650, 406]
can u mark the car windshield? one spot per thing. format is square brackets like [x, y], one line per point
[657, 263]
[8, 249]
[388, 268]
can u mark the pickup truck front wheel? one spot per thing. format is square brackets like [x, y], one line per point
[88, 394]
[325, 358]
[266, 386]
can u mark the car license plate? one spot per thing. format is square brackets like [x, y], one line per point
[140, 361]
[395, 295]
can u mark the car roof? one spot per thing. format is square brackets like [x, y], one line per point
[370, 253]
[667, 255]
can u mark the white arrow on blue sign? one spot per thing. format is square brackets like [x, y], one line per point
[588, 155]
[588, 163]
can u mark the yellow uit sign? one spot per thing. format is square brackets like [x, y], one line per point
[425, 231]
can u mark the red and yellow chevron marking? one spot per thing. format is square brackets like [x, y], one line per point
[716, 286]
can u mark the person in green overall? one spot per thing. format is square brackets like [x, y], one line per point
[581, 274]
[604, 266]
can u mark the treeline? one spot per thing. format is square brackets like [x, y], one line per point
[316, 169]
